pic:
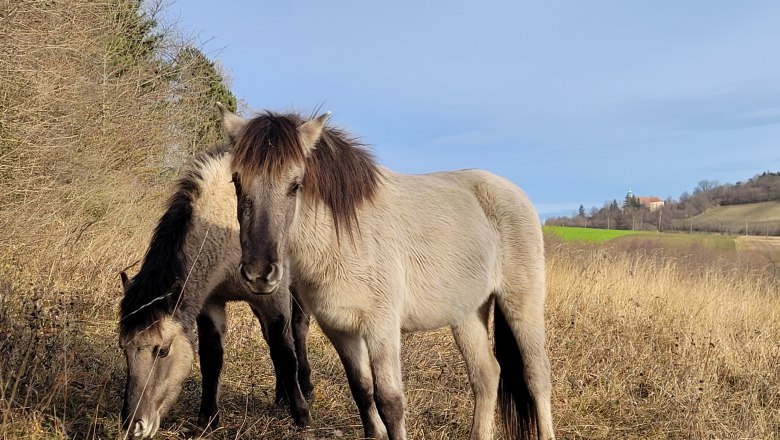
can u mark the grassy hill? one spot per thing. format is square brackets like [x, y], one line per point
[751, 219]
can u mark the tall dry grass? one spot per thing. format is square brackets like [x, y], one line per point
[82, 131]
[644, 344]
[663, 345]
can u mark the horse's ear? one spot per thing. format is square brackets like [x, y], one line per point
[310, 132]
[232, 124]
[125, 280]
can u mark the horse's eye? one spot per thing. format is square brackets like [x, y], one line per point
[162, 351]
[294, 188]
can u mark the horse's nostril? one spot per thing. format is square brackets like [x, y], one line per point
[246, 276]
[274, 274]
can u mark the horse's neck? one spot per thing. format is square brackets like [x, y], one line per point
[207, 256]
[315, 249]
[212, 245]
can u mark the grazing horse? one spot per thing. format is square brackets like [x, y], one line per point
[187, 275]
[374, 253]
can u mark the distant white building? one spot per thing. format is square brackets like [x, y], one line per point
[652, 203]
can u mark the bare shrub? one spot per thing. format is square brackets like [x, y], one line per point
[95, 120]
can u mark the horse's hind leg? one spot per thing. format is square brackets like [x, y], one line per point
[276, 326]
[354, 356]
[300, 328]
[519, 319]
[211, 328]
[472, 339]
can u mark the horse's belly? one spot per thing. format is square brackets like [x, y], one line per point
[424, 311]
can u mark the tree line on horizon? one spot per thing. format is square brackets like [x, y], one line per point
[675, 215]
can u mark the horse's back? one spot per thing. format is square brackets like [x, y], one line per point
[451, 234]
[519, 233]
[505, 206]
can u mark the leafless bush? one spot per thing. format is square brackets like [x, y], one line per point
[94, 122]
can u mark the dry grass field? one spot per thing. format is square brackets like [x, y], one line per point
[643, 345]
[645, 341]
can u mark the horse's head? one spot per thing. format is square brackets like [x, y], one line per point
[269, 165]
[159, 357]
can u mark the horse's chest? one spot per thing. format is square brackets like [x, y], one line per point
[336, 310]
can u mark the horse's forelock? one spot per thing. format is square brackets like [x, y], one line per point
[268, 143]
[340, 172]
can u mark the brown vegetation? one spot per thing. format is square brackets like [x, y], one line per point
[663, 344]
[646, 344]
[97, 111]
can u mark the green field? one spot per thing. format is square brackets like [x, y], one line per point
[638, 239]
[588, 235]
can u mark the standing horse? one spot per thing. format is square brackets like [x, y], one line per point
[374, 253]
[186, 277]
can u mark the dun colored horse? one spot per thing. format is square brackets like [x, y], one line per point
[187, 276]
[374, 253]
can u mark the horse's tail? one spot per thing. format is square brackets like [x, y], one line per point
[518, 410]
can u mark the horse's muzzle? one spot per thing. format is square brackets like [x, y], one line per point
[141, 428]
[261, 281]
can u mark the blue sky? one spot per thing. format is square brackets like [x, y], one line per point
[576, 102]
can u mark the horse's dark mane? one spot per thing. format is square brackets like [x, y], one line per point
[149, 295]
[340, 172]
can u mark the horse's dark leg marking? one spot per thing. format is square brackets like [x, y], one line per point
[363, 393]
[211, 325]
[354, 357]
[391, 409]
[384, 350]
[300, 328]
[277, 332]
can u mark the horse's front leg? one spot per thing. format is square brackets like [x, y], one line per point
[384, 352]
[211, 328]
[276, 331]
[354, 356]
[300, 329]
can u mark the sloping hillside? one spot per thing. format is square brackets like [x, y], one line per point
[752, 219]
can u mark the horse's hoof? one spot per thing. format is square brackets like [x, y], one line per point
[208, 422]
[302, 418]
